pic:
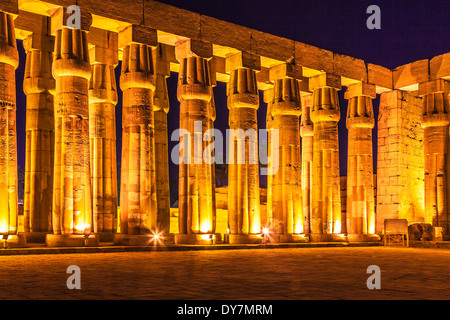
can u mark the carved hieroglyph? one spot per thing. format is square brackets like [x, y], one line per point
[39, 86]
[9, 61]
[360, 215]
[287, 207]
[72, 205]
[138, 200]
[102, 132]
[197, 210]
[325, 114]
[435, 121]
[243, 168]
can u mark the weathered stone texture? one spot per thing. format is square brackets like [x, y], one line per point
[286, 187]
[400, 166]
[326, 202]
[138, 201]
[39, 86]
[102, 132]
[72, 205]
[243, 169]
[197, 209]
[9, 61]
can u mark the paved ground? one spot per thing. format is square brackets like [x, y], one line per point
[307, 273]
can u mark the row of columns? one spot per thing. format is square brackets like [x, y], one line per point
[71, 141]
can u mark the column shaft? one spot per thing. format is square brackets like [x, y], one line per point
[138, 182]
[72, 207]
[196, 188]
[8, 152]
[326, 202]
[360, 190]
[287, 204]
[39, 87]
[243, 170]
[161, 108]
[102, 132]
[435, 121]
[307, 134]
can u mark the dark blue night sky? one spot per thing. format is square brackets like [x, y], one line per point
[410, 31]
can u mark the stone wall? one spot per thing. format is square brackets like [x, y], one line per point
[400, 167]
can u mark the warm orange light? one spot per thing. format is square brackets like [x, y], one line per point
[265, 231]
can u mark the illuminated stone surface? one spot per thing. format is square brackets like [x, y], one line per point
[196, 205]
[360, 213]
[325, 114]
[102, 132]
[72, 203]
[243, 168]
[9, 61]
[39, 86]
[161, 108]
[307, 134]
[138, 203]
[435, 121]
[287, 207]
[400, 165]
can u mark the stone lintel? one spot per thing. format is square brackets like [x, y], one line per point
[434, 86]
[27, 23]
[193, 48]
[138, 34]
[380, 76]
[60, 16]
[408, 76]
[361, 89]
[286, 70]
[325, 80]
[440, 67]
[10, 6]
[242, 60]
[349, 67]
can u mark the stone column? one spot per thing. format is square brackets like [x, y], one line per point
[8, 151]
[435, 121]
[161, 108]
[196, 218]
[325, 114]
[268, 98]
[39, 86]
[138, 202]
[72, 203]
[307, 134]
[102, 130]
[243, 168]
[360, 190]
[287, 211]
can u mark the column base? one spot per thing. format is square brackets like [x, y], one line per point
[121, 239]
[363, 237]
[243, 238]
[333, 237]
[72, 240]
[35, 237]
[200, 239]
[289, 238]
[14, 241]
